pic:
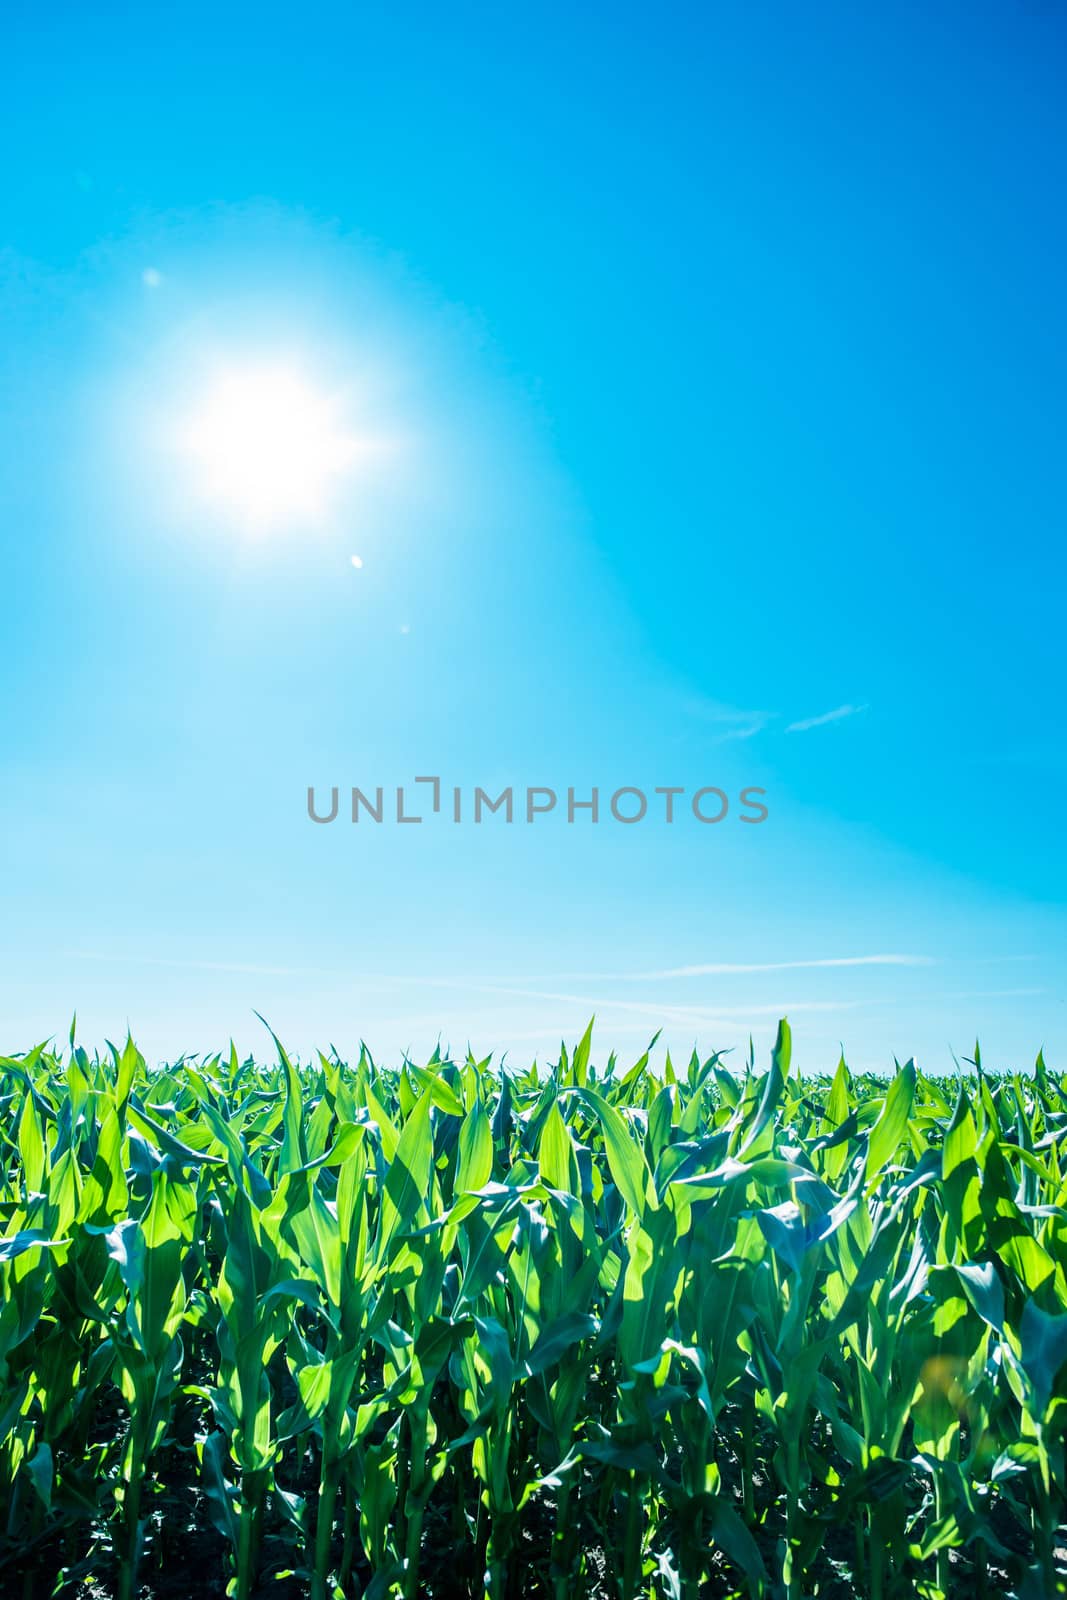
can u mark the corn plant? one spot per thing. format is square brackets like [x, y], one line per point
[450, 1329]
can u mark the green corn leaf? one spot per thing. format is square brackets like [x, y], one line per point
[1043, 1341]
[734, 1538]
[407, 1187]
[27, 1239]
[629, 1170]
[555, 1153]
[961, 1140]
[475, 1167]
[984, 1290]
[556, 1339]
[889, 1130]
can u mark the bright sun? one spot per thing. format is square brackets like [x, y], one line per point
[270, 446]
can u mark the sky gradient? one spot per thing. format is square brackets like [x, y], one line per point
[711, 366]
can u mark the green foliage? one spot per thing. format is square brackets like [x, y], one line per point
[450, 1331]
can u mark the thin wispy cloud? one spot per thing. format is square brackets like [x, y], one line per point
[663, 1010]
[609, 1013]
[714, 969]
[734, 968]
[502, 985]
[837, 715]
[734, 722]
[730, 722]
[748, 732]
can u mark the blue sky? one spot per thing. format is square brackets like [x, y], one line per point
[707, 367]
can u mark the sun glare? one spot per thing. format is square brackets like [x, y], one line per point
[269, 446]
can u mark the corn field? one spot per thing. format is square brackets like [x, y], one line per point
[331, 1330]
